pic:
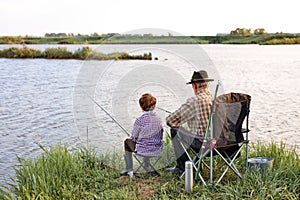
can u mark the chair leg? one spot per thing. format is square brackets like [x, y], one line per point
[147, 164]
[230, 165]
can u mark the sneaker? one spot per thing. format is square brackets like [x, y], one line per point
[127, 173]
[174, 170]
[130, 174]
[124, 173]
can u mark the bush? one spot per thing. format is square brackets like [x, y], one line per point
[83, 53]
[24, 52]
[58, 53]
[63, 53]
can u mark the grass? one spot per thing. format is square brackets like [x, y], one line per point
[83, 174]
[267, 38]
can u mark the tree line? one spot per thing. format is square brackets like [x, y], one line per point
[249, 32]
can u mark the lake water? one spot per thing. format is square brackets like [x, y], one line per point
[48, 101]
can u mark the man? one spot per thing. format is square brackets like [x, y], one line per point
[195, 112]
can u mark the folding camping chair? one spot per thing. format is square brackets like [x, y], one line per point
[228, 116]
[146, 163]
[231, 110]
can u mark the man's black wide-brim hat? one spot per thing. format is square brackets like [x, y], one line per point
[200, 76]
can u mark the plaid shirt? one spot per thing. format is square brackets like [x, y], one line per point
[147, 133]
[195, 111]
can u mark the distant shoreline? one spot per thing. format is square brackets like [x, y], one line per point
[264, 39]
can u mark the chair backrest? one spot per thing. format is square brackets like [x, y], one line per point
[230, 111]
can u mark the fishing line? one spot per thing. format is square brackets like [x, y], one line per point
[134, 155]
[109, 115]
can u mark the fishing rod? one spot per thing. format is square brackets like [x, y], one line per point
[134, 155]
[108, 115]
[163, 109]
[206, 132]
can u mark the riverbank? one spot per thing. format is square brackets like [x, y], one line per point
[263, 39]
[82, 174]
[63, 53]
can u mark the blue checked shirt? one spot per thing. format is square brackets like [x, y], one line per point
[195, 112]
[148, 134]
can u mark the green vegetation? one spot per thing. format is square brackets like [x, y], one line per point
[238, 36]
[266, 39]
[63, 53]
[280, 39]
[149, 39]
[53, 40]
[82, 174]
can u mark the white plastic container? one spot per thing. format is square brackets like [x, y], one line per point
[260, 163]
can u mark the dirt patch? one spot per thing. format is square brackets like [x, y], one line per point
[146, 189]
[144, 186]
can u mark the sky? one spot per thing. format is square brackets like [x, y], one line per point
[190, 17]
